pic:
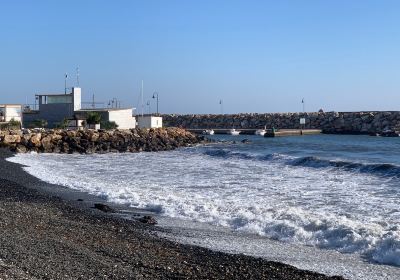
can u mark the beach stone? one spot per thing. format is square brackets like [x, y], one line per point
[148, 220]
[104, 208]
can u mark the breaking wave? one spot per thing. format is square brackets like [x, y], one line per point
[379, 169]
[340, 205]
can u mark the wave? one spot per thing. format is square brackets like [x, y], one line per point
[373, 242]
[379, 169]
[266, 206]
[226, 154]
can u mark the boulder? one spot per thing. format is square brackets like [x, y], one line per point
[148, 220]
[21, 149]
[104, 208]
[47, 145]
[11, 139]
[35, 140]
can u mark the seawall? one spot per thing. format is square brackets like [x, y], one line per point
[93, 141]
[329, 122]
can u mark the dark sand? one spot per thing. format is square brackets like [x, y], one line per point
[47, 234]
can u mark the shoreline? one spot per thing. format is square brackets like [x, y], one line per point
[48, 233]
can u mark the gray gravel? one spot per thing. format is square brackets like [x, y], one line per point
[45, 237]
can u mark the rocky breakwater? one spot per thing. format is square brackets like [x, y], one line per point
[93, 141]
[329, 122]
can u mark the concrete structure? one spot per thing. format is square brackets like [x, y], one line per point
[149, 121]
[122, 117]
[291, 132]
[369, 122]
[10, 112]
[56, 108]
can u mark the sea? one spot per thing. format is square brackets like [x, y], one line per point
[328, 203]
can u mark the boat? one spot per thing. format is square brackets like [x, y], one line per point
[208, 132]
[261, 132]
[233, 132]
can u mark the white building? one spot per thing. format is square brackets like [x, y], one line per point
[121, 116]
[10, 112]
[149, 121]
[55, 108]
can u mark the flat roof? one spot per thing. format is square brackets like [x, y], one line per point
[147, 115]
[103, 109]
[6, 105]
[56, 94]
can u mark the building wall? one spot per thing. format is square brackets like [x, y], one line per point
[156, 122]
[13, 112]
[52, 113]
[123, 118]
[77, 98]
[149, 122]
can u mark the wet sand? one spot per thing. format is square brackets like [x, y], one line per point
[46, 233]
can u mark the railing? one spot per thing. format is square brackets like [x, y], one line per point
[92, 105]
[30, 107]
[84, 105]
[101, 105]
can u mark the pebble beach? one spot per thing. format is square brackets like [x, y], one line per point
[49, 232]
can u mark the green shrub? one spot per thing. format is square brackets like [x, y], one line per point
[63, 124]
[38, 123]
[93, 118]
[14, 123]
[108, 125]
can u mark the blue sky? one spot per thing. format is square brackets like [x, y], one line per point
[257, 56]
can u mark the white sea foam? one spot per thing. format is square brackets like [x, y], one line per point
[326, 208]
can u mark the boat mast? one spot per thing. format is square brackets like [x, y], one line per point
[142, 98]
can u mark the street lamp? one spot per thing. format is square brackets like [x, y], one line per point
[148, 105]
[155, 95]
[65, 83]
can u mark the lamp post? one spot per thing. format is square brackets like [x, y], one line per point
[65, 83]
[155, 95]
[148, 105]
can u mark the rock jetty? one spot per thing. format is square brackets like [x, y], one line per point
[329, 122]
[97, 141]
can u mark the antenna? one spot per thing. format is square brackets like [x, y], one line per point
[77, 76]
[93, 104]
